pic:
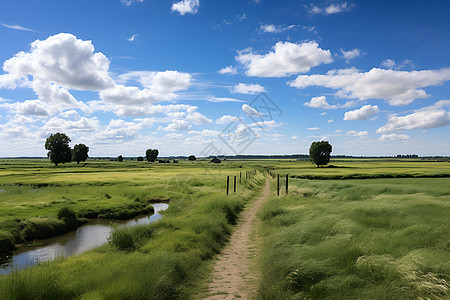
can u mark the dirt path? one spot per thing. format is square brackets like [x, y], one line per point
[232, 275]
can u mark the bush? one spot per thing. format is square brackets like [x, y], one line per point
[6, 242]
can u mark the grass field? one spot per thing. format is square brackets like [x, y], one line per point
[378, 236]
[358, 239]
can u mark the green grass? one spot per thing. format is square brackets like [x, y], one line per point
[162, 260]
[358, 239]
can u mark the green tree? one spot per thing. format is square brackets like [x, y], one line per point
[192, 157]
[80, 153]
[59, 149]
[151, 154]
[120, 158]
[140, 158]
[319, 152]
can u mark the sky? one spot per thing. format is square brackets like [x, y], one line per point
[197, 77]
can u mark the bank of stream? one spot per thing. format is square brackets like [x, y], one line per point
[86, 237]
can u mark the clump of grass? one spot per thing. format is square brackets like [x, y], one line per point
[6, 242]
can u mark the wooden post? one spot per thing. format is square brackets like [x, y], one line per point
[228, 183]
[278, 184]
[287, 183]
[240, 177]
[235, 184]
[246, 175]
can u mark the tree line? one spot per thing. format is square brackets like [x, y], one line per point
[59, 151]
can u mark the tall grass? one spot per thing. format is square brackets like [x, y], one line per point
[357, 240]
[162, 260]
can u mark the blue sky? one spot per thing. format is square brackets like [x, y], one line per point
[122, 76]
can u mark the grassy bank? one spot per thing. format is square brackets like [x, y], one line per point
[32, 192]
[358, 239]
[162, 260]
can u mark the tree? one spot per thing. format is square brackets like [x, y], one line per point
[59, 149]
[319, 153]
[140, 158]
[192, 157]
[151, 154]
[80, 153]
[120, 158]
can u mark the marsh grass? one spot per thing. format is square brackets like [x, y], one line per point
[358, 239]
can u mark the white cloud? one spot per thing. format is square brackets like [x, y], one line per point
[196, 117]
[81, 125]
[132, 38]
[357, 133]
[388, 63]
[130, 95]
[351, 54]
[177, 125]
[394, 137]
[313, 128]
[285, 59]
[206, 132]
[186, 7]
[250, 111]
[249, 89]
[228, 70]
[64, 60]
[319, 102]
[17, 27]
[331, 9]
[226, 119]
[31, 107]
[271, 28]
[419, 120]
[330, 121]
[363, 113]
[130, 2]
[397, 87]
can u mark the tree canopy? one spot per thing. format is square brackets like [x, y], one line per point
[192, 157]
[151, 154]
[59, 149]
[120, 158]
[319, 152]
[80, 153]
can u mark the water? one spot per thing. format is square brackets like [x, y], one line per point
[85, 238]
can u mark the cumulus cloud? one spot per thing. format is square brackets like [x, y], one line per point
[31, 107]
[394, 137]
[271, 28]
[250, 111]
[81, 125]
[177, 125]
[363, 113]
[425, 119]
[388, 63]
[397, 87]
[64, 60]
[226, 119]
[351, 54]
[313, 128]
[319, 102]
[285, 59]
[186, 7]
[228, 70]
[249, 89]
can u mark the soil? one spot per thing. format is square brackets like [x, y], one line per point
[234, 276]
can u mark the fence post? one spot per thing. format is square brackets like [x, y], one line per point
[240, 177]
[235, 184]
[228, 183]
[278, 184]
[246, 175]
[287, 183]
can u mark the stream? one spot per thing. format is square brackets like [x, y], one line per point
[86, 237]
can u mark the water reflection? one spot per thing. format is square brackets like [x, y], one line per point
[85, 238]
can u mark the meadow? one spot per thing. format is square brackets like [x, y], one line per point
[379, 236]
[357, 239]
